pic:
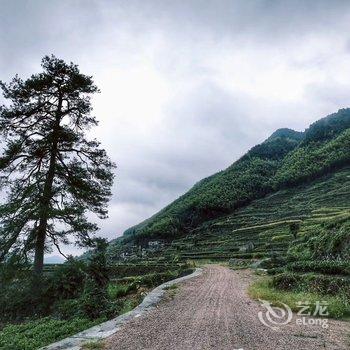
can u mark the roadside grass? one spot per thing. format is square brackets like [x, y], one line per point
[93, 345]
[338, 306]
[171, 287]
[130, 304]
[35, 334]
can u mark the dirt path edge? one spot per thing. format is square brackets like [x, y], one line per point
[110, 327]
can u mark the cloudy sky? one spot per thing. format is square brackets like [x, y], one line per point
[187, 86]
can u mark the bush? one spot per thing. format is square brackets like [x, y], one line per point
[18, 301]
[68, 309]
[116, 290]
[323, 266]
[321, 284]
[94, 299]
[67, 280]
[123, 270]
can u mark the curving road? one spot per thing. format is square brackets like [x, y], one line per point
[213, 311]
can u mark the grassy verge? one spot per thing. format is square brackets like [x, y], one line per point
[123, 297]
[338, 306]
[93, 345]
[35, 334]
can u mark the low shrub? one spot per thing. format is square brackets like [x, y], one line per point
[67, 280]
[322, 266]
[123, 270]
[116, 290]
[18, 300]
[318, 283]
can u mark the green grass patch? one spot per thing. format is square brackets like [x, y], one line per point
[338, 306]
[36, 334]
[93, 345]
[116, 290]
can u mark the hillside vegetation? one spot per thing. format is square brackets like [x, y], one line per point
[286, 159]
[284, 207]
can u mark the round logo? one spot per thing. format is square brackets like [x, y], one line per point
[274, 317]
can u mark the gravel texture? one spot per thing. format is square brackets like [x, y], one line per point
[213, 311]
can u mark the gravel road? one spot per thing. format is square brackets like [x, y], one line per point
[213, 311]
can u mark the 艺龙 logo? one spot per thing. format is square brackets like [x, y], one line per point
[273, 317]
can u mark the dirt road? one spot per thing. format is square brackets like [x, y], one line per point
[213, 311]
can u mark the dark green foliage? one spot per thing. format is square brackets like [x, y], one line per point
[123, 286]
[273, 148]
[294, 227]
[317, 283]
[94, 299]
[14, 268]
[52, 173]
[117, 290]
[97, 267]
[313, 160]
[78, 309]
[334, 267]
[67, 280]
[328, 127]
[17, 301]
[286, 133]
[74, 289]
[212, 197]
[327, 240]
[142, 268]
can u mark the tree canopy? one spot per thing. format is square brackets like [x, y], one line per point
[51, 172]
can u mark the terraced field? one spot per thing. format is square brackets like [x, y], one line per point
[263, 228]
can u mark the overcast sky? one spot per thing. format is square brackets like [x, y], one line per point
[186, 86]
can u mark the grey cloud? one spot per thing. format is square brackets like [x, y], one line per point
[208, 117]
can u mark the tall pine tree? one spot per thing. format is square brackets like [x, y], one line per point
[51, 173]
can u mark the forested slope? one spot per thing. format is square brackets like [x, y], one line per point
[286, 159]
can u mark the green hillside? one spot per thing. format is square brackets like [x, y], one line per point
[286, 159]
[300, 234]
[264, 227]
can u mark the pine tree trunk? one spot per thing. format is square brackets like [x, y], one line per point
[46, 198]
[39, 250]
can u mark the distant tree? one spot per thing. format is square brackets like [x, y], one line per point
[52, 174]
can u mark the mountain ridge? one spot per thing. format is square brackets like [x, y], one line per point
[285, 159]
